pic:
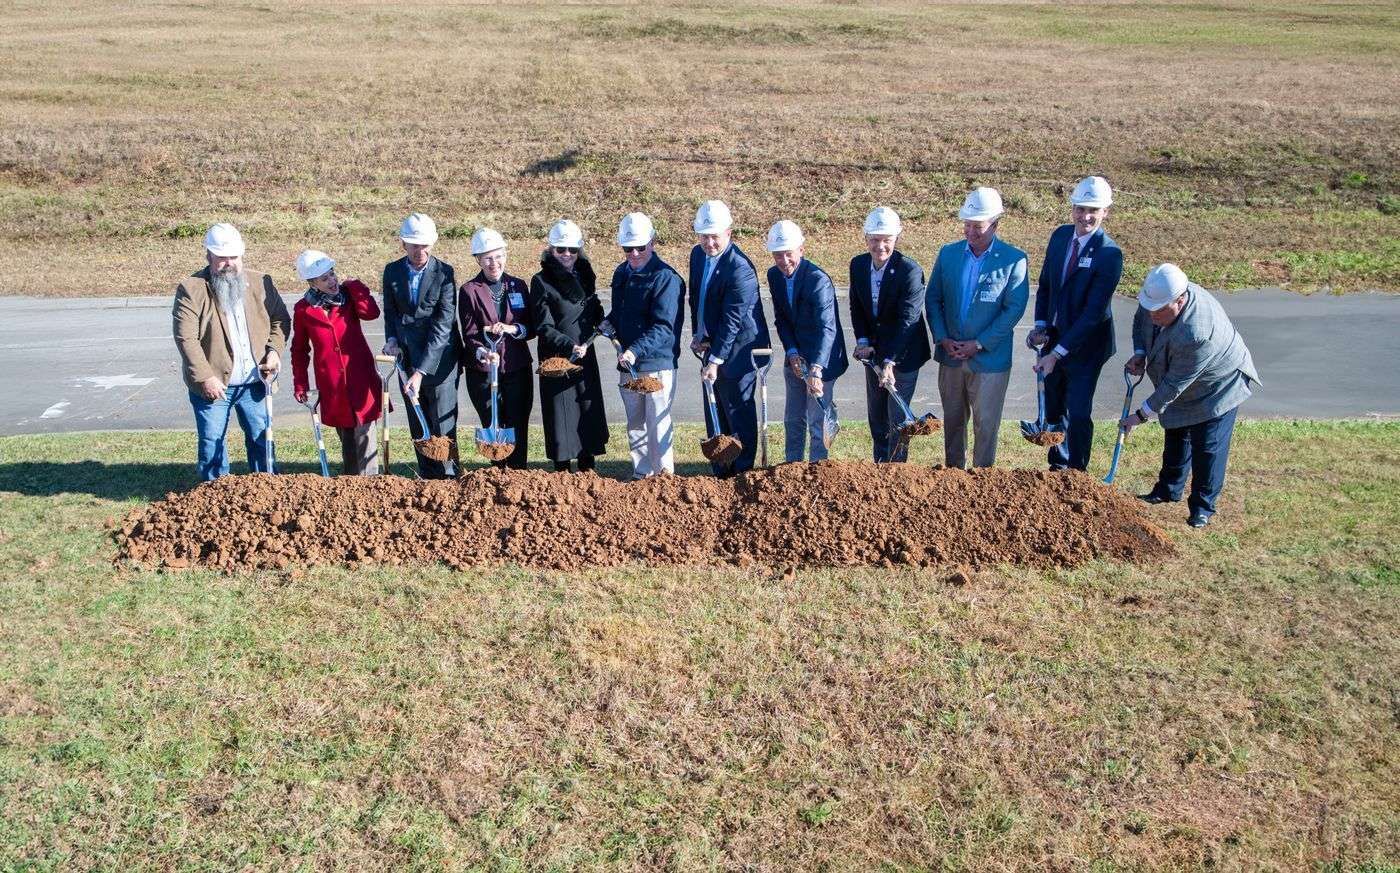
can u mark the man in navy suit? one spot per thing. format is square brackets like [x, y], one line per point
[1074, 319]
[809, 327]
[887, 316]
[727, 322]
[420, 324]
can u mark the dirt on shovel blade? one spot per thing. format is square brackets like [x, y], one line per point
[438, 448]
[922, 427]
[494, 451]
[1046, 438]
[558, 367]
[722, 448]
[643, 385]
[870, 515]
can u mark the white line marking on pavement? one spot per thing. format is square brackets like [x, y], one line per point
[107, 383]
[56, 410]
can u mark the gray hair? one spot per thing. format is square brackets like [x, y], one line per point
[229, 288]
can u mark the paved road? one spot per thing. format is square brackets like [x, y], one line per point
[110, 364]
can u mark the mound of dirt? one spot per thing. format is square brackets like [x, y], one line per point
[824, 514]
[438, 448]
[721, 448]
[557, 367]
[643, 385]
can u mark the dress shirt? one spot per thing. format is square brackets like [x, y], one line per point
[415, 277]
[244, 364]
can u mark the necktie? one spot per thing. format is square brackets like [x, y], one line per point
[1073, 259]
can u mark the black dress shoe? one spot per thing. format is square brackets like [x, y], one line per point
[1198, 520]
[1153, 499]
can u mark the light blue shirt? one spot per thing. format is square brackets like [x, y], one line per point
[792, 284]
[415, 277]
[972, 268]
[877, 278]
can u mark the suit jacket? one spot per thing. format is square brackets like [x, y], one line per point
[564, 306]
[733, 318]
[897, 329]
[1198, 363]
[1078, 306]
[201, 333]
[427, 333]
[646, 313]
[998, 302]
[811, 326]
[476, 309]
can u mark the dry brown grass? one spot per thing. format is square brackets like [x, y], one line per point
[1253, 143]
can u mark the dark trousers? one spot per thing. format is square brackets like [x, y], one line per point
[359, 451]
[1201, 450]
[738, 417]
[884, 413]
[439, 403]
[1069, 403]
[517, 398]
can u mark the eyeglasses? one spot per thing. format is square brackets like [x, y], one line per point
[632, 250]
[566, 250]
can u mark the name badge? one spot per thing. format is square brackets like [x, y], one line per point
[517, 301]
[1084, 262]
[989, 295]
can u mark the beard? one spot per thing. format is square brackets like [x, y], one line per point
[229, 287]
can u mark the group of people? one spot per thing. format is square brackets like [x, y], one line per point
[231, 327]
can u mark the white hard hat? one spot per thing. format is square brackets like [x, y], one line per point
[982, 204]
[635, 230]
[419, 230]
[1092, 191]
[566, 234]
[713, 217]
[883, 221]
[1164, 283]
[312, 264]
[224, 240]
[487, 240]
[785, 236]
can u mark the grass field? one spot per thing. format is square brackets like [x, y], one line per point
[1254, 143]
[1232, 709]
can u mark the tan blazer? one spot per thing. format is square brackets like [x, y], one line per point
[201, 333]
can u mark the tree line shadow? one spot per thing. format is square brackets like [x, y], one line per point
[136, 481]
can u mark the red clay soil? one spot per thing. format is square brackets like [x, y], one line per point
[558, 367]
[643, 385]
[439, 448]
[1046, 438]
[824, 514]
[922, 427]
[494, 451]
[721, 448]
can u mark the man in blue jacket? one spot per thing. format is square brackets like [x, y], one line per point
[809, 327]
[727, 325]
[977, 292]
[1074, 318]
[646, 320]
[887, 316]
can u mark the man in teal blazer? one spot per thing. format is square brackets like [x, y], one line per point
[977, 292]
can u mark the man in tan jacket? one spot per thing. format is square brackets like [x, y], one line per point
[230, 328]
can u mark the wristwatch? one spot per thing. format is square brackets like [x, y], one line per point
[1142, 419]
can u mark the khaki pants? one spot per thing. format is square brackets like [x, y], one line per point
[649, 434]
[983, 395]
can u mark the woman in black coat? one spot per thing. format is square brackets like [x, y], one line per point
[566, 311]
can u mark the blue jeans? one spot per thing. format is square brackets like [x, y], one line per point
[804, 417]
[1201, 450]
[211, 419]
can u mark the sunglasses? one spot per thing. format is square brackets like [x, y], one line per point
[566, 250]
[632, 250]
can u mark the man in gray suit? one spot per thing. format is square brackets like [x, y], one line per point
[1202, 372]
[420, 326]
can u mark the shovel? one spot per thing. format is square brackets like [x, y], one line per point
[269, 388]
[911, 426]
[495, 443]
[831, 424]
[767, 356]
[436, 448]
[383, 414]
[1122, 434]
[1038, 432]
[636, 384]
[721, 448]
[316, 429]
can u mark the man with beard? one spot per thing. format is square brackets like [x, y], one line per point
[230, 329]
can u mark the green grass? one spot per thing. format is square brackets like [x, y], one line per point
[1232, 708]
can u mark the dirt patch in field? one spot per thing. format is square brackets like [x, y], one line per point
[824, 514]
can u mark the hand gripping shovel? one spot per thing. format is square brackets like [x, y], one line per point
[269, 388]
[384, 406]
[1122, 434]
[910, 427]
[314, 408]
[831, 426]
[767, 356]
[436, 448]
[636, 384]
[495, 443]
[1038, 431]
[721, 448]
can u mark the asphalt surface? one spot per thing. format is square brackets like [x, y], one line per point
[110, 364]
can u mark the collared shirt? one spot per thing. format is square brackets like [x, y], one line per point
[791, 286]
[972, 270]
[244, 364]
[415, 277]
[1070, 250]
[877, 278]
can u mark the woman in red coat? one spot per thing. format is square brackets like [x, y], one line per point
[326, 325]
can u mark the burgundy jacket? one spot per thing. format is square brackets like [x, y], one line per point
[476, 309]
